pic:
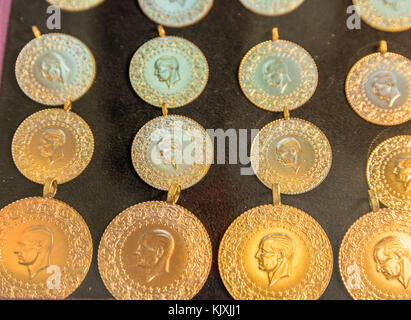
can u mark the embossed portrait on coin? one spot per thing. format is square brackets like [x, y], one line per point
[53, 68]
[166, 69]
[275, 255]
[393, 260]
[180, 2]
[402, 172]
[384, 87]
[51, 144]
[33, 249]
[276, 74]
[395, 4]
[170, 151]
[289, 153]
[154, 251]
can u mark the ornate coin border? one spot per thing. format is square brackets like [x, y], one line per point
[88, 4]
[194, 275]
[23, 136]
[289, 8]
[71, 224]
[241, 230]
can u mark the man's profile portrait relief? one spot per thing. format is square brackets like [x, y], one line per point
[51, 144]
[289, 153]
[170, 151]
[166, 69]
[180, 2]
[402, 172]
[53, 68]
[276, 74]
[275, 255]
[384, 87]
[33, 249]
[154, 251]
[395, 4]
[393, 260]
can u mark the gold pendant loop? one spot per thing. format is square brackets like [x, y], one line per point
[36, 32]
[173, 193]
[286, 113]
[374, 202]
[50, 188]
[161, 31]
[383, 47]
[276, 194]
[165, 109]
[68, 105]
[276, 35]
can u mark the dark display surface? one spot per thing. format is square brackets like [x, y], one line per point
[114, 30]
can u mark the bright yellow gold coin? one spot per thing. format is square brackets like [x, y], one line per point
[389, 172]
[46, 249]
[293, 153]
[52, 144]
[275, 253]
[375, 256]
[155, 251]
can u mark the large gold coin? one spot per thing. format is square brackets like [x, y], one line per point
[293, 153]
[172, 149]
[55, 67]
[378, 87]
[52, 143]
[375, 256]
[154, 251]
[271, 7]
[46, 249]
[389, 172]
[75, 5]
[275, 253]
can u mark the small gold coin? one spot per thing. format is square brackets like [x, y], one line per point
[378, 87]
[155, 251]
[278, 74]
[389, 172]
[375, 256]
[176, 13]
[55, 67]
[293, 153]
[52, 143]
[172, 149]
[385, 15]
[275, 253]
[75, 5]
[46, 249]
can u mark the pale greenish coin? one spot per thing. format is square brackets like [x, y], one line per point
[168, 70]
[386, 15]
[275, 74]
[55, 67]
[75, 5]
[175, 13]
[271, 7]
[172, 149]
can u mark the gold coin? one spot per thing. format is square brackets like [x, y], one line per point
[75, 5]
[55, 67]
[172, 149]
[52, 143]
[46, 249]
[377, 88]
[293, 153]
[389, 172]
[386, 15]
[278, 74]
[271, 7]
[176, 13]
[375, 256]
[275, 253]
[155, 251]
